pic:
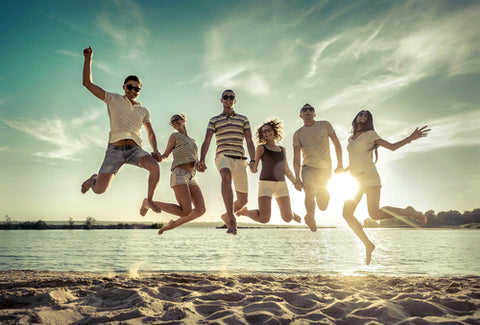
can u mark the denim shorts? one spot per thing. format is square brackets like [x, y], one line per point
[181, 176]
[117, 156]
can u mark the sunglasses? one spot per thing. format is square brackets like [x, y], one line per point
[364, 114]
[176, 119]
[231, 97]
[130, 87]
[308, 108]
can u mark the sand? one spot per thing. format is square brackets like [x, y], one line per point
[28, 297]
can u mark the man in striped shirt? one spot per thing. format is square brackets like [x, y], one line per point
[230, 129]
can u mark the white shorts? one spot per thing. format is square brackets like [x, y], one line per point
[272, 188]
[180, 176]
[238, 170]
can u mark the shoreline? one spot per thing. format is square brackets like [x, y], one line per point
[173, 298]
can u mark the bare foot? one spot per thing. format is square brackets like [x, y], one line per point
[87, 184]
[167, 227]
[226, 219]
[310, 221]
[232, 228]
[297, 218]
[153, 206]
[242, 212]
[420, 217]
[144, 208]
[369, 250]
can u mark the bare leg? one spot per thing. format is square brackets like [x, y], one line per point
[262, 214]
[98, 183]
[227, 194]
[151, 165]
[323, 197]
[348, 210]
[373, 201]
[183, 208]
[198, 203]
[310, 207]
[286, 209]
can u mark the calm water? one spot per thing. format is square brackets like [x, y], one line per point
[400, 252]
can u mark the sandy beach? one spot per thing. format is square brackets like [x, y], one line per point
[167, 298]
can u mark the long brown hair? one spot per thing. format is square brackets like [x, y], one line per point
[366, 127]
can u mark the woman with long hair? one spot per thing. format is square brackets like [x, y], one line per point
[361, 145]
[182, 179]
[272, 177]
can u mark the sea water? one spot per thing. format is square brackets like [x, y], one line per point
[336, 251]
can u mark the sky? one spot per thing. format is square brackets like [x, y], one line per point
[411, 63]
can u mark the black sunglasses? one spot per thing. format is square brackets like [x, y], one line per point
[130, 87]
[176, 119]
[308, 108]
[364, 114]
[231, 97]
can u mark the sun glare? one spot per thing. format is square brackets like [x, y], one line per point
[342, 186]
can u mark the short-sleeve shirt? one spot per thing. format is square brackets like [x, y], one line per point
[229, 133]
[360, 152]
[315, 145]
[126, 119]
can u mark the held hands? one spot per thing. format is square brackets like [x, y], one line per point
[418, 133]
[88, 52]
[253, 167]
[201, 167]
[298, 185]
[157, 156]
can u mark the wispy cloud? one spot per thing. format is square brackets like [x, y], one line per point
[123, 24]
[68, 137]
[384, 58]
[3, 148]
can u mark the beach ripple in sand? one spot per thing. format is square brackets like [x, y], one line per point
[156, 298]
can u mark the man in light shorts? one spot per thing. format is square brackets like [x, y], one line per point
[230, 129]
[312, 139]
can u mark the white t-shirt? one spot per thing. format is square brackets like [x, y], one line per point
[360, 153]
[315, 145]
[126, 119]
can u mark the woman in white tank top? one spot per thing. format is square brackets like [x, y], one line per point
[363, 142]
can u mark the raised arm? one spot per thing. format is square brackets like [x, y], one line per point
[296, 167]
[288, 172]
[152, 138]
[203, 152]
[87, 75]
[417, 134]
[338, 152]
[251, 150]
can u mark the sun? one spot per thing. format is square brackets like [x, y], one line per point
[342, 186]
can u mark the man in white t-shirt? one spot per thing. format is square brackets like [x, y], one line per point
[124, 144]
[312, 139]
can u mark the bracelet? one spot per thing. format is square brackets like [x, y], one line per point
[253, 160]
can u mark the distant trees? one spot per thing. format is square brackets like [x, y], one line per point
[90, 222]
[450, 218]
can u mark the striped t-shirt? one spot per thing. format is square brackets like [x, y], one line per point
[229, 133]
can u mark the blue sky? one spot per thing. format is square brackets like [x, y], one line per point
[410, 62]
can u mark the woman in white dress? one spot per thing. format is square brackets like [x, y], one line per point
[361, 145]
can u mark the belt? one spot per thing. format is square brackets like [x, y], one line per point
[128, 146]
[236, 157]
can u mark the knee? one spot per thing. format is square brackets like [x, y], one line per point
[99, 190]
[374, 214]
[347, 212]
[242, 201]
[226, 175]
[201, 211]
